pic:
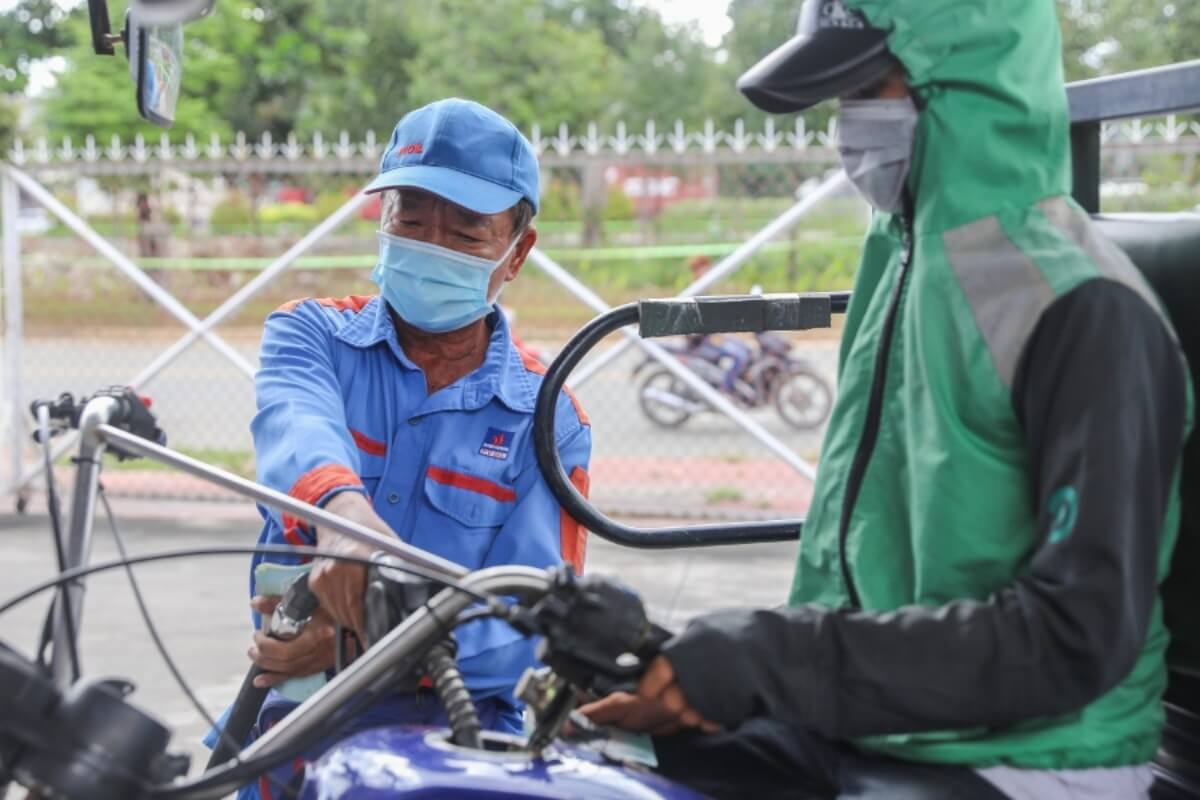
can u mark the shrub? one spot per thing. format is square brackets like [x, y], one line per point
[277, 213]
[233, 211]
[618, 205]
[330, 201]
[560, 202]
[8, 126]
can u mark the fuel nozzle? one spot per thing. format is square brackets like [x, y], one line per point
[294, 611]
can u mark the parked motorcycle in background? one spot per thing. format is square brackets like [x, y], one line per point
[773, 375]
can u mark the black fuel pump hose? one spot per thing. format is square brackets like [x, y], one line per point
[293, 612]
[669, 318]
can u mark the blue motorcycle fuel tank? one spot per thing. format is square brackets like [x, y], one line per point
[403, 762]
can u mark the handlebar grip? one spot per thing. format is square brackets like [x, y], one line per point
[738, 313]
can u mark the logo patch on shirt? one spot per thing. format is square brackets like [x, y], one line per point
[1064, 511]
[496, 443]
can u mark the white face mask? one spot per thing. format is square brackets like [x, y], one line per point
[875, 141]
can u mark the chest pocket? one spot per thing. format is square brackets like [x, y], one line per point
[463, 513]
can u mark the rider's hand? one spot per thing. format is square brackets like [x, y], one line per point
[659, 707]
[309, 653]
[340, 585]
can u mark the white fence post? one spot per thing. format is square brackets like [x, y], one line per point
[13, 325]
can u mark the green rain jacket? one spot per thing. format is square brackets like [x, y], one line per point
[997, 498]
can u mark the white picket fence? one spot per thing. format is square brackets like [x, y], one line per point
[1170, 133]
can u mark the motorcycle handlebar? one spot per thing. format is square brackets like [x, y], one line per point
[734, 314]
[666, 318]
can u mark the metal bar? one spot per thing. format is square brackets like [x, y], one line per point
[672, 364]
[1085, 158]
[1142, 93]
[14, 389]
[78, 546]
[131, 270]
[240, 297]
[728, 265]
[284, 503]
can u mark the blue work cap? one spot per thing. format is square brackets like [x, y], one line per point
[464, 152]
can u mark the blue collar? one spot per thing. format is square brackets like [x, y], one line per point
[502, 375]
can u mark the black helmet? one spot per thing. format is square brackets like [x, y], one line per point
[834, 52]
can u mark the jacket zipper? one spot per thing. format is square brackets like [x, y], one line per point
[870, 433]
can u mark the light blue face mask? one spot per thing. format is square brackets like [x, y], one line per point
[434, 288]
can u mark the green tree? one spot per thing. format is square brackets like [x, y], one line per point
[294, 70]
[8, 126]
[95, 94]
[669, 73]
[30, 30]
[366, 86]
[618, 21]
[1103, 37]
[759, 26]
[511, 56]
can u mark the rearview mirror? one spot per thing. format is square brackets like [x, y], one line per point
[170, 12]
[156, 64]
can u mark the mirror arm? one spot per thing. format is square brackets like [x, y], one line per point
[102, 35]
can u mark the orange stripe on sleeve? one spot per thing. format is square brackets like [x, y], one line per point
[312, 486]
[538, 368]
[315, 484]
[354, 302]
[572, 535]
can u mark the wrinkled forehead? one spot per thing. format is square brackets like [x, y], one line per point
[421, 202]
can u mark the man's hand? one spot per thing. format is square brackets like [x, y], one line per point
[659, 707]
[340, 585]
[309, 653]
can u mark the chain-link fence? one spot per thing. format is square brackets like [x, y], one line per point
[630, 216]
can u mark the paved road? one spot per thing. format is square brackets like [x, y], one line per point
[204, 402]
[200, 604]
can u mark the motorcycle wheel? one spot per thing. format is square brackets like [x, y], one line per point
[804, 399]
[663, 414]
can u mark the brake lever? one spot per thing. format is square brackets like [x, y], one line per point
[596, 634]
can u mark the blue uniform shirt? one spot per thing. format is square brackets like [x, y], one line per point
[342, 408]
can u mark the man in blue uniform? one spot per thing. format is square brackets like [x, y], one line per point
[411, 412]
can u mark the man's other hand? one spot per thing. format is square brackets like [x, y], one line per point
[340, 585]
[659, 707]
[309, 653]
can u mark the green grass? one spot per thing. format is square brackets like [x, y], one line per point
[723, 494]
[239, 462]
